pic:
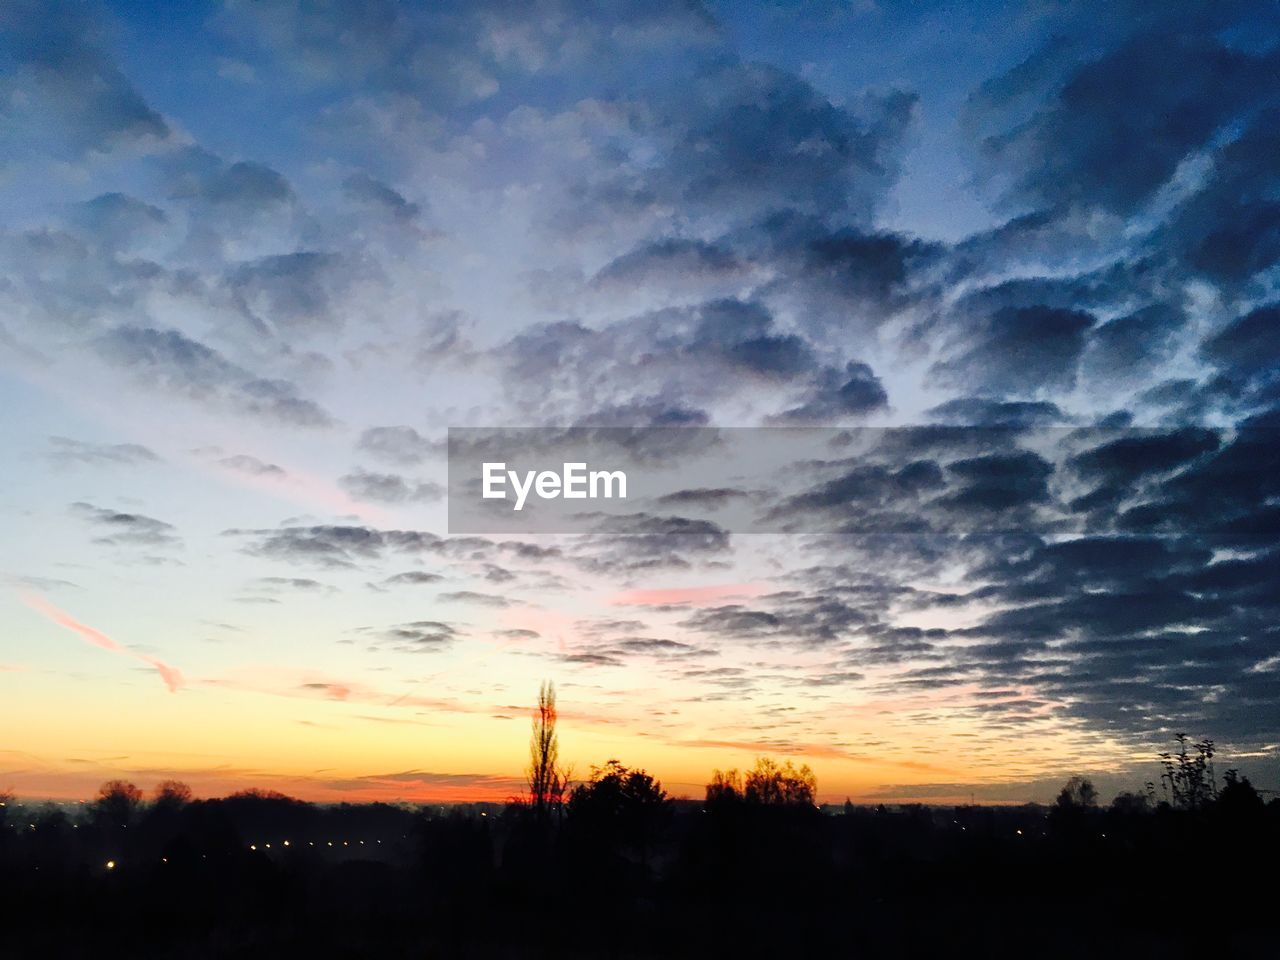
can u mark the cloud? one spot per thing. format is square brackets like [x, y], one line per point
[1229, 231]
[171, 675]
[301, 584]
[642, 541]
[339, 545]
[1020, 350]
[667, 258]
[837, 396]
[695, 596]
[119, 220]
[662, 367]
[477, 598]
[246, 184]
[402, 446]
[633, 224]
[70, 96]
[131, 529]
[389, 488]
[252, 466]
[517, 634]
[1131, 346]
[364, 189]
[644, 412]
[1249, 346]
[333, 546]
[413, 578]
[331, 691]
[64, 450]
[170, 361]
[1000, 481]
[418, 636]
[795, 619]
[983, 411]
[708, 497]
[1104, 136]
[1128, 458]
[1118, 627]
[294, 293]
[749, 136]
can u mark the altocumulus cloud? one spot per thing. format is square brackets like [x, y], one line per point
[673, 234]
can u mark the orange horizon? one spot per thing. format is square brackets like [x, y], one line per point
[385, 792]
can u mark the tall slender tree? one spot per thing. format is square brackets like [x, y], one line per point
[547, 781]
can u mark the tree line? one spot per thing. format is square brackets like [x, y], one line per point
[611, 865]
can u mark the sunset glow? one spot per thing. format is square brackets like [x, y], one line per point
[258, 258]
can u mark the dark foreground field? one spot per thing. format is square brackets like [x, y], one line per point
[193, 879]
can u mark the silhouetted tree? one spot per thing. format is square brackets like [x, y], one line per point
[619, 808]
[1188, 779]
[1238, 800]
[771, 784]
[118, 803]
[172, 793]
[725, 788]
[1128, 802]
[1078, 793]
[547, 781]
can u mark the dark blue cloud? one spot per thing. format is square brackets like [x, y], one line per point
[1120, 125]
[1020, 350]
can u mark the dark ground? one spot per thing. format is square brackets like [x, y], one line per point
[736, 880]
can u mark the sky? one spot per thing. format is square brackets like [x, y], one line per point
[257, 258]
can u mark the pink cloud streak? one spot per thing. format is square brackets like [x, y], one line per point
[170, 674]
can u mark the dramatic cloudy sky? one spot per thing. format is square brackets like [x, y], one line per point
[256, 257]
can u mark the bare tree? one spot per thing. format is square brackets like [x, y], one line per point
[769, 784]
[547, 780]
[724, 789]
[1190, 779]
[777, 784]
